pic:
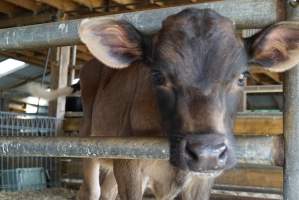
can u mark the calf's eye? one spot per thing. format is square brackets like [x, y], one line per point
[158, 78]
[242, 78]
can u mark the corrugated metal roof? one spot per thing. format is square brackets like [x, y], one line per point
[20, 77]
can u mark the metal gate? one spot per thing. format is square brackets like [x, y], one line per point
[25, 125]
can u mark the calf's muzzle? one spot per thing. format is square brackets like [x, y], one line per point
[200, 152]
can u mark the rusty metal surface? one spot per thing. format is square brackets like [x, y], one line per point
[291, 126]
[245, 14]
[252, 150]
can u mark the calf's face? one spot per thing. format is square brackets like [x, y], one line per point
[198, 67]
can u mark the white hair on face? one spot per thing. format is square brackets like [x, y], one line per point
[38, 91]
[218, 118]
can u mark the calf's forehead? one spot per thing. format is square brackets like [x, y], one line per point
[200, 44]
[205, 19]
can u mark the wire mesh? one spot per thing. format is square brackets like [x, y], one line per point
[18, 124]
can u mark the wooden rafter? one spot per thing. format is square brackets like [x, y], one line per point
[90, 3]
[128, 2]
[27, 4]
[9, 9]
[272, 75]
[65, 5]
[27, 20]
[254, 176]
[31, 60]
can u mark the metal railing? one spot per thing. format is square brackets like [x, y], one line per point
[27, 126]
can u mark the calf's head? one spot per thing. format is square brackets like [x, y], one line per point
[198, 67]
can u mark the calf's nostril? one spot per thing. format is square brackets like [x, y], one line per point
[222, 156]
[191, 152]
[223, 153]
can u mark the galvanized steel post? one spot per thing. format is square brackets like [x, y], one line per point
[291, 126]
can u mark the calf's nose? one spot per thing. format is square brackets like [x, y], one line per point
[206, 157]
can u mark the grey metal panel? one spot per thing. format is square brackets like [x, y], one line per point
[6, 81]
[291, 126]
[245, 13]
[254, 150]
[29, 71]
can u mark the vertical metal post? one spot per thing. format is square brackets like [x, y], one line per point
[291, 126]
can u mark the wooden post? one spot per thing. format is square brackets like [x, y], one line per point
[59, 77]
[72, 64]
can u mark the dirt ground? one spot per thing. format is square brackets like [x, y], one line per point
[66, 194]
[47, 194]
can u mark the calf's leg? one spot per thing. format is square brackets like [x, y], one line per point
[90, 189]
[129, 177]
[108, 186]
[89, 82]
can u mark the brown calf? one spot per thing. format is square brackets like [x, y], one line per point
[182, 82]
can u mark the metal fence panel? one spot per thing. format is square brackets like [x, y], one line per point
[16, 125]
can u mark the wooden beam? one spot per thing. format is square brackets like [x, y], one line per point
[245, 125]
[65, 5]
[216, 197]
[31, 57]
[90, 3]
[82, 48]
[241, 195]
[27, 4]
[59, 77]
[130, 3]
[9, 9]
[272, 75]
[259, 125]
[97, 3]
[254, 176]
[275, 76]
[27, 20]
[263, 89]
[84, 56]
[34, 61]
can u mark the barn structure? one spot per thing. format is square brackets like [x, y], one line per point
[40, 153]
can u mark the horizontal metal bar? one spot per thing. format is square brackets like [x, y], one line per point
[245, 14]
[253, 150]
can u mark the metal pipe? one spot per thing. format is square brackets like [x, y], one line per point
[245, 14]
[252, 150]
[291, 126]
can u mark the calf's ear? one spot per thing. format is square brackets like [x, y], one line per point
[275, 48]
[115, 43]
